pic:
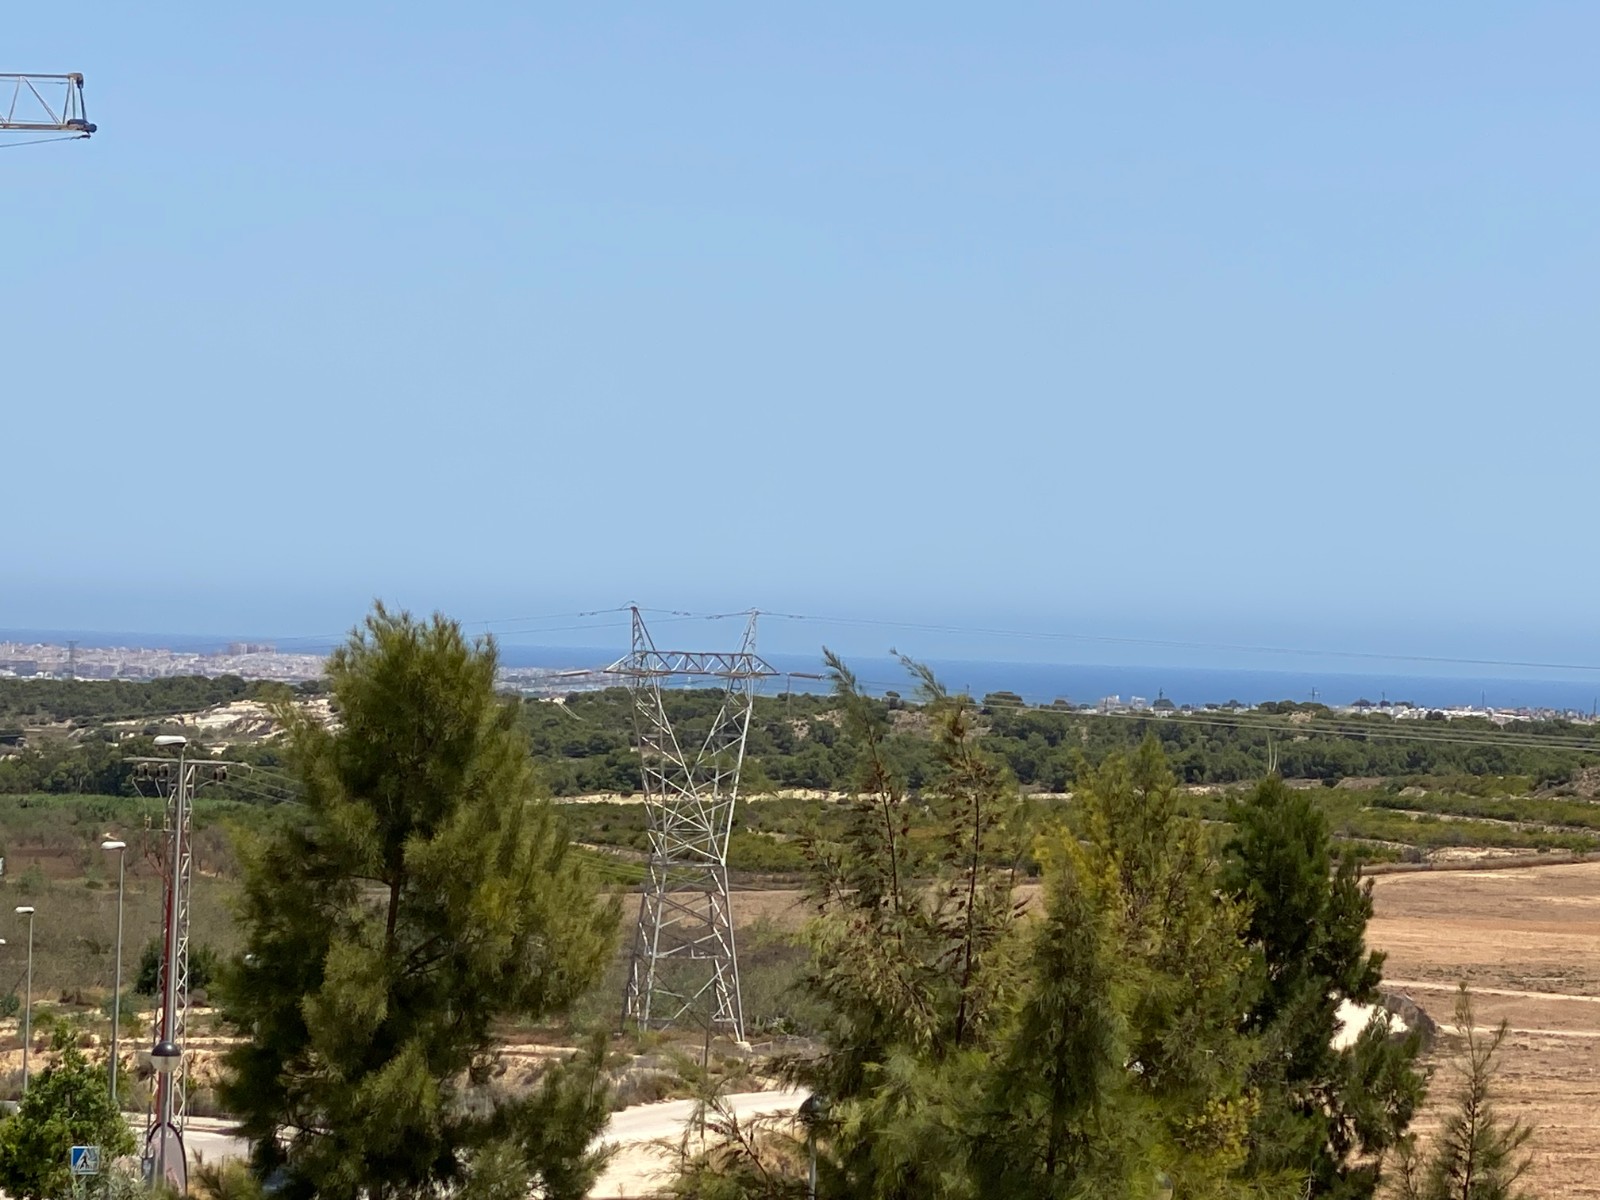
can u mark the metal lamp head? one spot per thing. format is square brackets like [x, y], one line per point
[814, 1108]
[24, 910]
[171, 739]
[111, 844]
[164, 1057]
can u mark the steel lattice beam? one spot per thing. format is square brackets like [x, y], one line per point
[683, 949]
[43, 104]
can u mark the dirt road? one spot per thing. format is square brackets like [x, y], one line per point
[642, 1136]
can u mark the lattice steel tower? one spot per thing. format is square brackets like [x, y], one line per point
[166, 1161]
[683, 948]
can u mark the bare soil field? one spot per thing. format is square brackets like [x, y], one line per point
[1527, 941]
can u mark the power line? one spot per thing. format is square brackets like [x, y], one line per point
[71, 137]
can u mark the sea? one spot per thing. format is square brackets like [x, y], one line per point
[1536, 689]
[1088, 683]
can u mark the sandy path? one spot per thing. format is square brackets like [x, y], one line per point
[1416, 985]
[643, 1135]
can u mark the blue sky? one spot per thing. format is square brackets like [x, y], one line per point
[1257, 324]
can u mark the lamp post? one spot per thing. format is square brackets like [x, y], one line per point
[26, 910]
[813, 1111]
[120, 848]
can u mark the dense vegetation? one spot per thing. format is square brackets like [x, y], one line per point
[1413, 786]
[795, 742]
[25, 702]
[584, 742]
[1164, 1027]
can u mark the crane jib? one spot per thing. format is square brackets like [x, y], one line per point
[43, 104]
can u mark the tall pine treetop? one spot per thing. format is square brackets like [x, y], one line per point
[427, 893]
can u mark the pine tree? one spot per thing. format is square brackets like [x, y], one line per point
[425, 893]
[1327, 1113]
[1477, 1154]
[913, 951]
[1182, 966]
[1093, 1052]
[910, 947]
[1058, 1113]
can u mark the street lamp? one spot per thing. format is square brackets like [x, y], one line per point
[164, 1056]
[26, 910]
[813, 1112]
[112, 845]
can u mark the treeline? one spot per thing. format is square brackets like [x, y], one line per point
[584, 743]
[25, 702]
[1042, 745]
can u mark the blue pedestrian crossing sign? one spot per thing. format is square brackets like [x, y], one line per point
[86, 1160]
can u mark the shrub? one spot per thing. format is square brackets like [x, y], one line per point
[203, 962]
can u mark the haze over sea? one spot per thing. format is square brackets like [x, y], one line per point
[1081, 683]
[1575, 689]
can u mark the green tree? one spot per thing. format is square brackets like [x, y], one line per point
[1331, 1113]
[1095, 1052]
[913, 946]
[1058, 1112]
[1477, 1154]
[67, 1105]
[427, 893]
[1182, 965]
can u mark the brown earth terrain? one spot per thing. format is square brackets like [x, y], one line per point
[1527, 942]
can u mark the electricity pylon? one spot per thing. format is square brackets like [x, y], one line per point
[174, 779]
[683, 947]
[43, 104]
